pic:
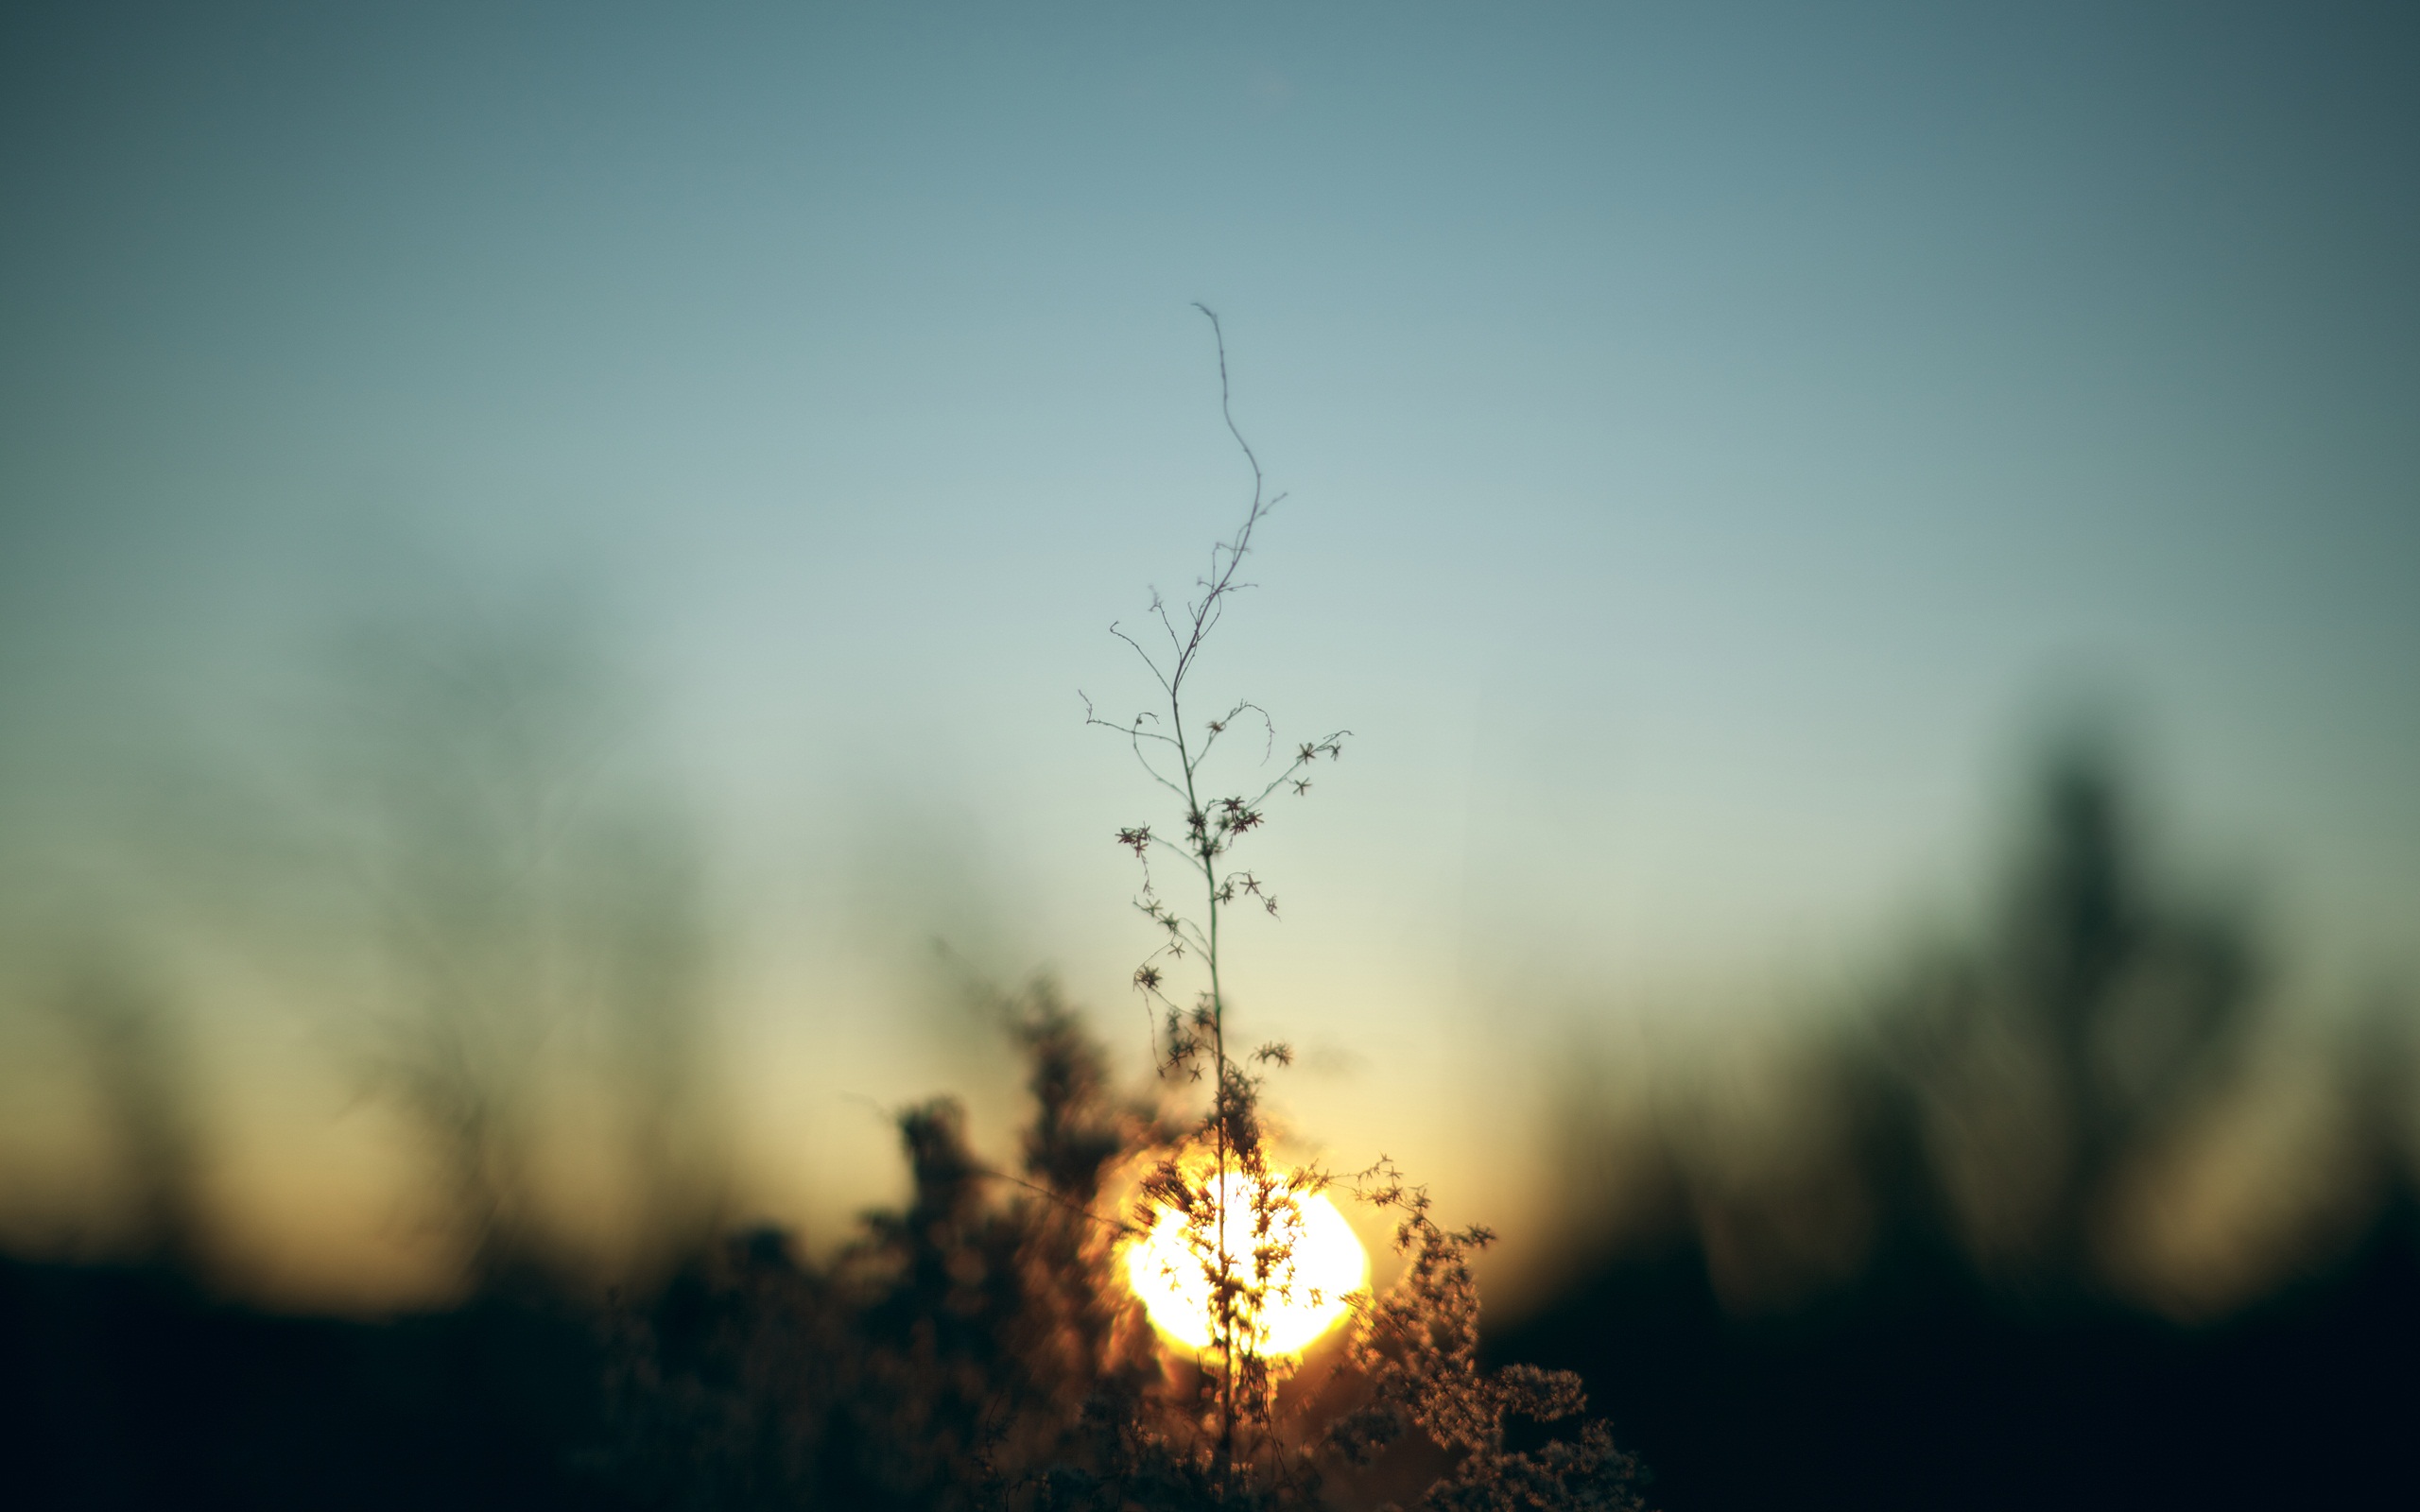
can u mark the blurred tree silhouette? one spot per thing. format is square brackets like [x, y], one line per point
[1993, 1105]
[2012, 1080]
[1910, 1269]
[540, 925]
[139, 1067]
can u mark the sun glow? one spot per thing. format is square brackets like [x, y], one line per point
[1322, 1264]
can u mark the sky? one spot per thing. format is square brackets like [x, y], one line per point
[1722, 445]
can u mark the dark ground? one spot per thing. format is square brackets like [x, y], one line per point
[122, 1389]
[1921, 1388]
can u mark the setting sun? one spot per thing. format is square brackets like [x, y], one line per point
[1169, 1267]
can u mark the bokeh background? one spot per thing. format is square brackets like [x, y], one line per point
[549, 551]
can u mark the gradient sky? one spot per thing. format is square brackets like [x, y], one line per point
[1721, 440]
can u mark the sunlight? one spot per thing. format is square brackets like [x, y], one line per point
[1169, 1268]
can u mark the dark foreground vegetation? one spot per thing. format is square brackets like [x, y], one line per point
[1921, 1388]
[974, 1348]
[125, 1388]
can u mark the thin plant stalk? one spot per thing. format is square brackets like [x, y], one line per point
[1212, 829]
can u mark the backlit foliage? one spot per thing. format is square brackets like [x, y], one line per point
[979, 1349]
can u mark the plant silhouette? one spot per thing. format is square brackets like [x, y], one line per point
[979, 1347]
[1245, 1249]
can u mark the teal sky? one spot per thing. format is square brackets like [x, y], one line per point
[1723, 439]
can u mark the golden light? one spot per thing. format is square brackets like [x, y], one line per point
[1169, 1268]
